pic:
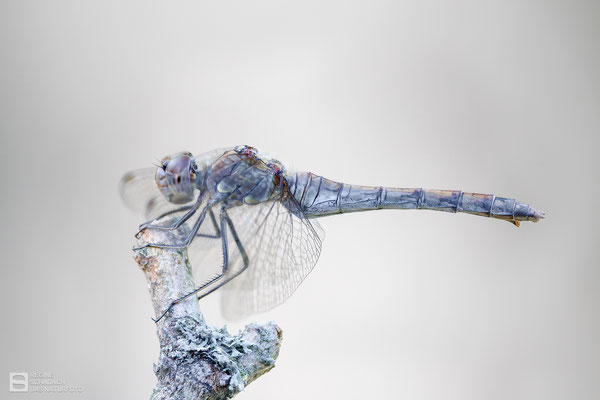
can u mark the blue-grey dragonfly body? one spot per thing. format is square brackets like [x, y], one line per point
[263, 219]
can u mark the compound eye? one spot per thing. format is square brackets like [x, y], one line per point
[178, 165]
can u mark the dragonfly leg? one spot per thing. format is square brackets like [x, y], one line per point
[205, 284]
[212, 280]
[176, 210]
[188, 239]
[243, 253]
[217, 230]
[191, 210]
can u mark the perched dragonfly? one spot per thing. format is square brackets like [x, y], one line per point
[260, 219]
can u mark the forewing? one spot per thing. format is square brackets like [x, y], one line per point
[139, 192]
[282, 245]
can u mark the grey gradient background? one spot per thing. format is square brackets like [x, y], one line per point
[494, 97]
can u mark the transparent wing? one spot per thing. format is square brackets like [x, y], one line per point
[282, 245]
[139, 192]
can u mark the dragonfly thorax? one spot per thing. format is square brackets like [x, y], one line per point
[176, 177]
[242, 176]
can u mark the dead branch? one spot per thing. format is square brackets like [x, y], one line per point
[198, 361]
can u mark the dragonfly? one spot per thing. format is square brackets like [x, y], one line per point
[261, 220]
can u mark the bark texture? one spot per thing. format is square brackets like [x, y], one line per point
[198, 361]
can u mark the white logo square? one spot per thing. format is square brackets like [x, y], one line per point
[18, 382]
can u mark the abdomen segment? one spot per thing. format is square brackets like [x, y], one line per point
[319, 196]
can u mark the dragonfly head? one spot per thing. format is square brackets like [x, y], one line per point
[176, 177]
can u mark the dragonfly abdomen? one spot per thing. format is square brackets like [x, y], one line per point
[319, 196]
